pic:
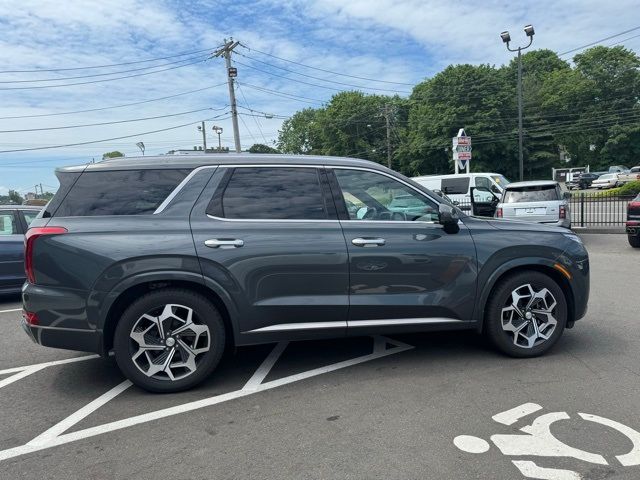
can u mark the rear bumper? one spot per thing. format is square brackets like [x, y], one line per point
[62, 319]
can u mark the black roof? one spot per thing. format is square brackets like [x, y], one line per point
[199, 160]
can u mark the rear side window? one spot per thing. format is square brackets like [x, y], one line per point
[124, 192]
[7, 223]
[268, 193]
[457, 185]
[538, 193]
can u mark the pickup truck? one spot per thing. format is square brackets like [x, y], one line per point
[632, 176]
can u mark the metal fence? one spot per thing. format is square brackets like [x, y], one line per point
[598, 209]
[590, 209]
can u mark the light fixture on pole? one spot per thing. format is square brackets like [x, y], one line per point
[218, 131]
[140, 145]
[506, 38]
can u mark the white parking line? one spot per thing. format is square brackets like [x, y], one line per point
[49, 441]
[22, 372]
[11, 310]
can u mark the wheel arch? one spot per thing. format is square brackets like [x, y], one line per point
[120, 298]
[544, 266]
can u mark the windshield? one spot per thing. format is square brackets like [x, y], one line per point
[538, 193]
[500, 180]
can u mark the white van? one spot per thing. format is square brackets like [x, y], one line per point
[458, 187]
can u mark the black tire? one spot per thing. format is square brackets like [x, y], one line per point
[634, 240]
[500, 298]
[204, 313]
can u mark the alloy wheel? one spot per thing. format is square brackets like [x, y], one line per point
[530, 316]
[168, 342]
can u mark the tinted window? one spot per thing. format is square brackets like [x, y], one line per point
[125, 192]
[7, 223]
[538, 193]
[286, 193]
[372, 196]
[456, 185]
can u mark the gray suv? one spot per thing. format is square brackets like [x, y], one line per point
[165, 261]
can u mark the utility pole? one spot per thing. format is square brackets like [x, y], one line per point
[388, 124]
[506, 38]
[203, 128]
[225, 51]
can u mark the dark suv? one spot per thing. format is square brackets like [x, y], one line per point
[167, 260]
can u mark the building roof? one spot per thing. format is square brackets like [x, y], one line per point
[193, 161]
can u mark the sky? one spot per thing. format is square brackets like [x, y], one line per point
[390, 45]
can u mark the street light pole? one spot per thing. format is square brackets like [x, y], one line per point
[506, 38]
[218, 130]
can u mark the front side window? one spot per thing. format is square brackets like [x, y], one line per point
[538, 193]
[483, 182]
[273, 193]
[7, 223]
[123, 192]
[373, 196]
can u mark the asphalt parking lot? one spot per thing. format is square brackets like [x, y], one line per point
[364, 408]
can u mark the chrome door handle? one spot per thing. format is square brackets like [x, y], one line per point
[368, 242]
[224, 243]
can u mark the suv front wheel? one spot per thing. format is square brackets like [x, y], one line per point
[526, 314]
[169, 340]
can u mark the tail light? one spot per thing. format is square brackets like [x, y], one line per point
[30, 317]
[563, 211]
[633, 205]
[499, 213]
[29, 241]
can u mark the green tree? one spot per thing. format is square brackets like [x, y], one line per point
[261, 148]
[15, 198]
[114, 154]
[297, 133]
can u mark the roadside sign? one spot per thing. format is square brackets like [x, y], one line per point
[461, 151]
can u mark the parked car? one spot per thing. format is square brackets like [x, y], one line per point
[633, 222]
[165, 260]
[14, 221]
[608, 180]
[458, 187]
[632, 176]
[540, 201]
[582, 181]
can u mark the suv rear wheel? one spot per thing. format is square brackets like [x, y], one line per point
[169, 340]
[526, 314]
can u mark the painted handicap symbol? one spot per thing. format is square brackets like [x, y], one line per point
[537, 440]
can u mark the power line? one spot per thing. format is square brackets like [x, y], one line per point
[314, 84]
[319, 78]
[324, 70]
[104, 79]
[599, 41]
[67, 69]
[254, 118]
[108, 123]
[111, 107]
[107, 139]
[105, 74]
[291, 96]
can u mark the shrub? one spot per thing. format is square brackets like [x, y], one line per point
[631, 188]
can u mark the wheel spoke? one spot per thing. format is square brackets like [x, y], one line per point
[166, 342]
[529, 316]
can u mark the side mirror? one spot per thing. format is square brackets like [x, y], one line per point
[495, 189]
[566, 195]
[448, 218]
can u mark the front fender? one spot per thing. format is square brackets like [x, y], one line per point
[496, 273]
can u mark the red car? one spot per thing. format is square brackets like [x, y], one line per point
[633, 222]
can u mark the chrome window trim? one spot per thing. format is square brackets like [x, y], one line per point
[165, 203]
[188, 178]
